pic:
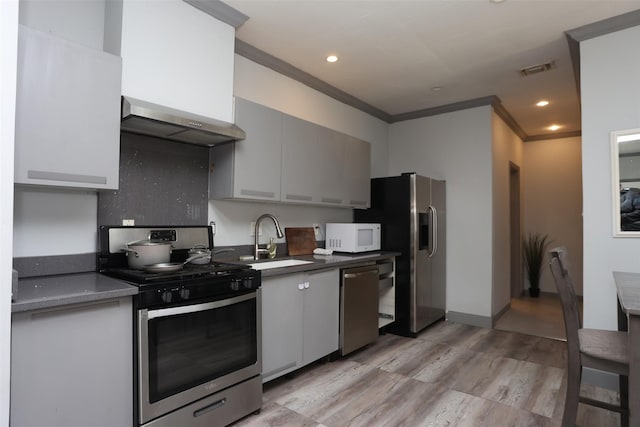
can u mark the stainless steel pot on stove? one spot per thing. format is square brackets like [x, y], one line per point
[145, 252]
[200, 250]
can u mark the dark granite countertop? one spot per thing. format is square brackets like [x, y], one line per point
[318, 262]
[64, 289]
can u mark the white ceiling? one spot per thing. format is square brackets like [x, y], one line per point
[392, 52]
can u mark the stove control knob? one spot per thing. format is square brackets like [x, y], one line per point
[166, 296]
[235, 284]
[184, 293]
[248, 283]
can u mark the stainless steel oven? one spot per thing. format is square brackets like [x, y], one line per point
[190, 351]
[198, 350]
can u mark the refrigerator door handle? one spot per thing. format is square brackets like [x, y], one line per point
[434, 230]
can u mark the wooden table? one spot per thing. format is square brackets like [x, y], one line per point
[628, 286]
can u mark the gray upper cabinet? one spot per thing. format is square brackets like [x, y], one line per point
[300, 165]
[67, 113]
[357, 170]
[249, 169]
[288, 159]
[331, 175]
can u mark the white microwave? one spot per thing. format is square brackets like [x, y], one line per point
[348, 237]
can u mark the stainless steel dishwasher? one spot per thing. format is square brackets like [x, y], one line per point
[358, 308]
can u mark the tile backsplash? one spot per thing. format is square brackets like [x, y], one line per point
[161, 182]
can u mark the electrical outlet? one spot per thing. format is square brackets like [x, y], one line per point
[128, 222]
[252, 229]
[316, 231]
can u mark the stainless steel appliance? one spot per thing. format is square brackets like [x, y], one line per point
[163, 122]
[411, 209]
[198, 331]
[358, 308]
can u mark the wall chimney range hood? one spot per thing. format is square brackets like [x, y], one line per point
[145, 118]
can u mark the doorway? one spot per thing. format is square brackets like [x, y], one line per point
[515, 231]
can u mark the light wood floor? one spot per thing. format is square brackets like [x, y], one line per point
[451, 375]
[540, 316]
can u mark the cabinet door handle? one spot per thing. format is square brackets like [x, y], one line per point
[258, 193]
[69, 177]
[298, 197]
[220, 403]
[354, 275]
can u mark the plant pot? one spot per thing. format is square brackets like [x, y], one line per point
[534, 292]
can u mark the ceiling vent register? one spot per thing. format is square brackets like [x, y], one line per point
[535, 69]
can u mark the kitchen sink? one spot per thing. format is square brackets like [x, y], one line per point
[279, 263]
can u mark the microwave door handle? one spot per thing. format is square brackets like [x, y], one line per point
[433, 217]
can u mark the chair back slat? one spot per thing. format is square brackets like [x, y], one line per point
[572, 322]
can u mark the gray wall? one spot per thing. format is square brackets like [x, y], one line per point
[610, 70]
[552, 190]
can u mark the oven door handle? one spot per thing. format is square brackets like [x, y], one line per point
[166, 312]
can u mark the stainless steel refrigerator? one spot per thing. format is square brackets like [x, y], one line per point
[411, 209]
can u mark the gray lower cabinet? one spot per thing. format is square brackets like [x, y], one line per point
[300, 320]
[72, 366]
[67, 113]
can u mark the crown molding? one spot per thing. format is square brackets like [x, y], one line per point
[553, 136]
[508, 119]
[574, 37]
[606, 26]
[258, 56]
[284, 68]
[441, 109]
[221, 11]
[596, 29]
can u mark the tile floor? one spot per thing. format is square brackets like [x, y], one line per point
[451, 375]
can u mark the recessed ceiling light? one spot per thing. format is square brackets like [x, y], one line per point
[497, 1]
[436, 88]
[332, 58]
[554, 127]
[542, 103]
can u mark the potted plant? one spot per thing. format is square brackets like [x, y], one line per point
[535, 246]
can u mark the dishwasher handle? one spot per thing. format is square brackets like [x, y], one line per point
[360, 274]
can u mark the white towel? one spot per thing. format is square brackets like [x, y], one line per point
[320, 251]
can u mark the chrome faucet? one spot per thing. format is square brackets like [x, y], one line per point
[257, 251]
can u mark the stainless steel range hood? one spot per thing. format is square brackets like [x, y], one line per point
[156, 120]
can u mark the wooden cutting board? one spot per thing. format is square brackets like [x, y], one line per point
[300, 240]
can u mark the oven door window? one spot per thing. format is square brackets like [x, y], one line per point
[189, 349]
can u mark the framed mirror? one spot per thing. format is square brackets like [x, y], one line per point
[625, 167]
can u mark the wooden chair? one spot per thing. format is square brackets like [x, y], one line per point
[593, 348]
